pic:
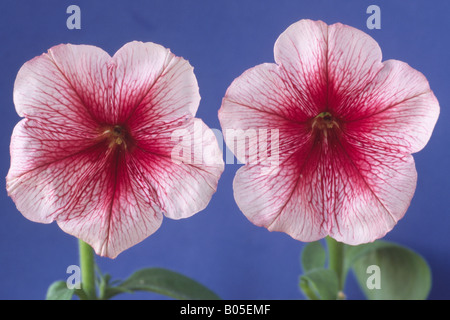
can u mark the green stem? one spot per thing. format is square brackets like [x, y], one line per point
[336, 260]
[87, 265]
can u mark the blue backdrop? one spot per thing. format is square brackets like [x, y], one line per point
[219, 247]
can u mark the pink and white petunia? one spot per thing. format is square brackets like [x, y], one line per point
[347, 124]
[94, 151]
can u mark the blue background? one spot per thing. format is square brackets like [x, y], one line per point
[219, 247]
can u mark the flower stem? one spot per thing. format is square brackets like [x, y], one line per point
[87, 265]
[336, 261]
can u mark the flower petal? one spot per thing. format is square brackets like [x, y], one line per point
[258, 107]
[353, 61]
[34, 149]
[373, 190]
[86, 188]
[268, 192]
[301, 53]
[397, 110]
[182, 164]
[116, 207]
[152, 84]
[64, 85]
[354, 195]
[282, 199]
[263, 90]
[109, 199]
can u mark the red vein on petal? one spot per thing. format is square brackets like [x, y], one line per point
[296, 182]
[90, 172]
[196, 166]
[52, 59]
[84, 150]
[265, 111]
[389, 107]
[145, 179]
[327, 80]
[104, 249]
[163, 70]
[344, 151]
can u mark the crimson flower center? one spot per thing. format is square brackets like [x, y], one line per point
[324, 121]
[116, 136]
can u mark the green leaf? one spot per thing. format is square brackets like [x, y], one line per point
[352, 253]
[313, 256]
[58, 291]
[165, 282]
[399, 273]
[109, 292]
[107, 289]
[320, 283]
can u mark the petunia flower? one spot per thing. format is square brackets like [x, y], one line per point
[347, 125]
[94, 151]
